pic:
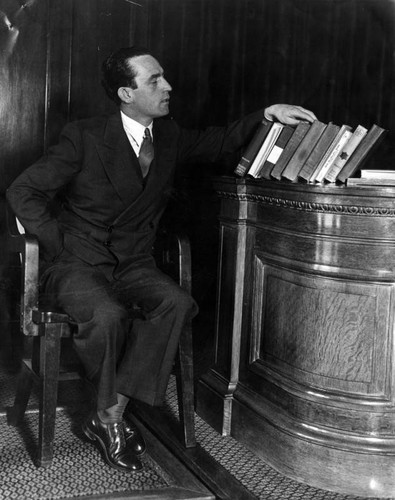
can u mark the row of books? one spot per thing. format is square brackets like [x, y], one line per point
[316, 152]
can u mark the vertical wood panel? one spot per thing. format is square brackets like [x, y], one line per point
[22, 84]
[100, 27]
[59, 52]
[223, 58]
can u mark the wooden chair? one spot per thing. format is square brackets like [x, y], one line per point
[47, 329]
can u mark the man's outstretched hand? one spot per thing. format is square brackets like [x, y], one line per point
[288, 114]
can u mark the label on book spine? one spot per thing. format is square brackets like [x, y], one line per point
[274, 154]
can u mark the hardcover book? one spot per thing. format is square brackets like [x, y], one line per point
[334, 154]
[363, 182]
[302, 152]
[318, 152]
[348, 149]
[276, 152]
[329, 151]
[290, 148]
[378, 174]
[265, 149]
[363, 150]
[253, 147]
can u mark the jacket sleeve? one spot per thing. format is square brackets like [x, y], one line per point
[215, 142]
[31, 194]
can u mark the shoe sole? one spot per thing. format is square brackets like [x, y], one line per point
[94, 438]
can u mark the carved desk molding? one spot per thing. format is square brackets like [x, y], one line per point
[304, 370]
[309, 206]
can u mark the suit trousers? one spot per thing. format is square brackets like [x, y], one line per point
[134, 358]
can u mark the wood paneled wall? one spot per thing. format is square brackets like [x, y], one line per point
[224, 58]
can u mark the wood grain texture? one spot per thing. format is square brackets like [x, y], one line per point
[316, 347]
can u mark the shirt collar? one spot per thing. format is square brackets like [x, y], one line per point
[134, 129]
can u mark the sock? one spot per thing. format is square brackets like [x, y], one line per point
[114, 414]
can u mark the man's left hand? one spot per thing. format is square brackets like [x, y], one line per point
[288, 114]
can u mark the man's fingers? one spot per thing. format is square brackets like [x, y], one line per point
[289, 114]
[305, 114]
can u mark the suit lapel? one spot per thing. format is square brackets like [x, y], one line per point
[124, 172]
[119, 160]
[160, 176]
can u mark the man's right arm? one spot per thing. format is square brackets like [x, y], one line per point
[31, 194]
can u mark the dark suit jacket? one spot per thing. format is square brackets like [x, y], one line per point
[109, 217]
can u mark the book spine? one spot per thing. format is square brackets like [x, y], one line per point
[318, 152]
[365, 147]
[302, 152]
[329, 151]
[290, 148]
[276, 152]
[345, 154]
[332, 157]
[252, 148]
[265, 149]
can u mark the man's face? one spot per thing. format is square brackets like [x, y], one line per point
[151, 97]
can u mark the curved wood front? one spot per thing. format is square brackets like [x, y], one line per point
[305, 341]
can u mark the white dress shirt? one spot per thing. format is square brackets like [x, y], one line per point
[135, 132]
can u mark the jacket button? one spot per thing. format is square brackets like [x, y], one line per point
[110, 228]
[107, 243]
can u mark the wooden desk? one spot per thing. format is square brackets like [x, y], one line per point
[304, 372]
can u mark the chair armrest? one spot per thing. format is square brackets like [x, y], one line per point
[27, 247]
[29, 253]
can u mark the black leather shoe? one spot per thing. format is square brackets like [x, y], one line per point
[134, 440]
[112, 442]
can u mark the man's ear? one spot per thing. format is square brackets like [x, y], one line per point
[126, 94]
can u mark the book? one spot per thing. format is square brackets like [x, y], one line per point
[348, 149]
[371, 182]
[318, 152]
[265, 149]
[371, 140]
[378, 174]
[300, 131]
[334, 144]
[253, 147]
[278, 148]
[302, 152]
[334, 154]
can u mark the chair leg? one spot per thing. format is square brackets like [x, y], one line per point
[49, 375]
[23, 391]
[185, 386]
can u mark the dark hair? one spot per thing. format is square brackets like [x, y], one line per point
[118, 72]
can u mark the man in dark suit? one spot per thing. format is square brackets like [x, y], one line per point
[96, 254]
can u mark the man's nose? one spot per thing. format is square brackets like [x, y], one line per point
[166, 85]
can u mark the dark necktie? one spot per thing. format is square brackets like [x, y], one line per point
[146, 154]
